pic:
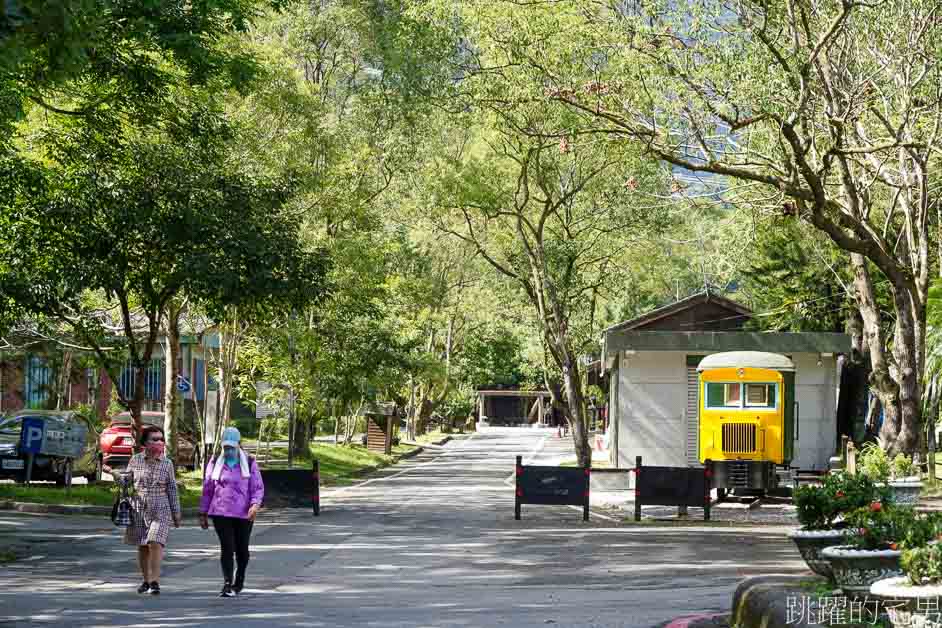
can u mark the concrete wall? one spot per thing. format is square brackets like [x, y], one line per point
[651, 398]
[651, 401]
[816, 393]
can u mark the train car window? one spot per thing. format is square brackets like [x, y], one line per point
[720, 395]
[760, 395]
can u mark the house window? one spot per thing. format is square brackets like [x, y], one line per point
[153, 381]
[760, 395]
[723, 395]
[38, 382]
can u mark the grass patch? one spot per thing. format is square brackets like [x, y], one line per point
[596, 464]
[7, 556]
[431, 437]
[91, 495]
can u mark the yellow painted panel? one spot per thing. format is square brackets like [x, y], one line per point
[768, 422]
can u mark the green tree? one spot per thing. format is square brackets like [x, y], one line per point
[825, 112]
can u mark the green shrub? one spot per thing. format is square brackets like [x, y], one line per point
[923, 565]
[903, 466]
[884, 526]
[874, 463]
[248, 426]
[887, 526]
[820, 507]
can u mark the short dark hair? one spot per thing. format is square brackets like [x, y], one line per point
[147, 431]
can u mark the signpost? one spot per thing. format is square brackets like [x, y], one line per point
[31, 441]
[51, 436]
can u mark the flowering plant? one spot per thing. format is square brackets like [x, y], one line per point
[882, 526]
[820, 507]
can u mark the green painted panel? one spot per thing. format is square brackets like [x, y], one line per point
[788, 447]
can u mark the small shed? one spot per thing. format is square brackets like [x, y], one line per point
[380, 419]
[512, 407]
[654, 399]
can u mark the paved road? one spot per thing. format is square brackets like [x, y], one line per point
[429, 543]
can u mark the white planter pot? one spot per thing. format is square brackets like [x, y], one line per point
[908, 605]
[905, 491]
[811, 542]
[855, 569]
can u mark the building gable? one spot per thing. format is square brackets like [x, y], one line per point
[703, 311]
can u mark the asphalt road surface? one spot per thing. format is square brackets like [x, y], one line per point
[431, 542]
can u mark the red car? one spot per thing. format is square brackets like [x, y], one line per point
[117, 444]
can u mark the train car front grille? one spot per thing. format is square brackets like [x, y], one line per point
[739, 438]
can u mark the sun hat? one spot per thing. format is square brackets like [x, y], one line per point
[231, 437]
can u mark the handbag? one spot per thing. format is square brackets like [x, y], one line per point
[121, 513]
[121, 510]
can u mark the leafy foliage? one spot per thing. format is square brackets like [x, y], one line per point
[820, 507]
[885, 526]
[923, 564]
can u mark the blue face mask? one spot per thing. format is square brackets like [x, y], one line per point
[231, 456]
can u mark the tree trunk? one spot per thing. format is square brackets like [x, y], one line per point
[64, 381]
[300, 440]
[858, 378]
[171, 373]
[575, 411]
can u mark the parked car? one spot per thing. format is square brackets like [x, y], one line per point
[47, 468]
[117, 444]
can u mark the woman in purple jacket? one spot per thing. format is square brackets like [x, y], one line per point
[232, 495]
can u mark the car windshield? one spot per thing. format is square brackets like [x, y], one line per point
[10, 425]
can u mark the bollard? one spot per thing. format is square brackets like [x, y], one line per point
[518, 492]
[638, 488]
[585, 494]
[316, 499]
[708, 477]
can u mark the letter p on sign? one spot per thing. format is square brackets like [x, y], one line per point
[33, 433]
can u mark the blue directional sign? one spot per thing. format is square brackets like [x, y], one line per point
[33, 435]
[183, 384]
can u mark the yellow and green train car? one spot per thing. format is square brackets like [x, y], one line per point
[748, 417]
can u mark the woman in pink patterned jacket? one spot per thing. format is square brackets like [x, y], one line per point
[232, 495]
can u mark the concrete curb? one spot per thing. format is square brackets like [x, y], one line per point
[70, 509]
[763, 602]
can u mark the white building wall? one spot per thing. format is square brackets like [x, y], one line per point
[816, 394]
[651, 400]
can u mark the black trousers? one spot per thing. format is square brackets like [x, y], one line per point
[233, 536]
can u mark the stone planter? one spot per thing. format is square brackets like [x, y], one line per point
[811, 542]
[855, 569]
[908, 605]
[905, 492]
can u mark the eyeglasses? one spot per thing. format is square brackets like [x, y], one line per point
[156, 439]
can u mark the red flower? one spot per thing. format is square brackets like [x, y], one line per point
[893, 546]
[839, 494]
[876, 507]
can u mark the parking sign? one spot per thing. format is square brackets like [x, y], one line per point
[33, 435]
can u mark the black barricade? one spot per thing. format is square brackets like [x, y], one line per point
[672, 486]
[293, 487]
[554, 486]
